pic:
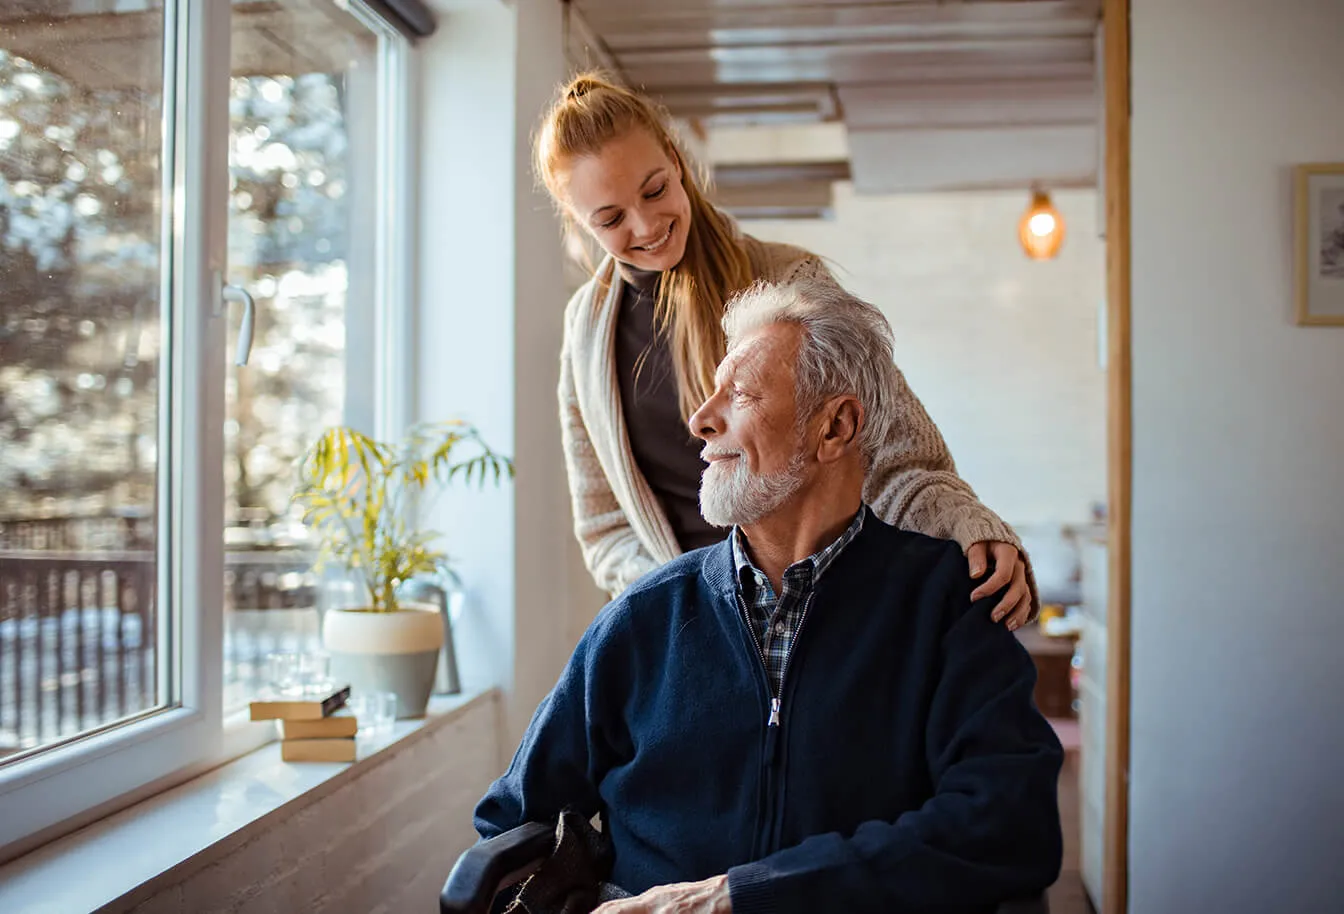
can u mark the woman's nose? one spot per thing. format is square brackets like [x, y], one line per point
[642, 224]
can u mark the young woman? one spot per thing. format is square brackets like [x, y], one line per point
[643, 338]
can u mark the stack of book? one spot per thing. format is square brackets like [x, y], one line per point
[312, 729]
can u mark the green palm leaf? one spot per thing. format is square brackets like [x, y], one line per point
[357, 495]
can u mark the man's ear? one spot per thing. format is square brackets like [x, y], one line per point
[843, 418]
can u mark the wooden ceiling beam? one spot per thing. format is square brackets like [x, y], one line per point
[602, 11]
[862, 71]
[1033, 48]
[791, 35]
[998, 103]
[757, 174]
[723, 104]
[984, 158]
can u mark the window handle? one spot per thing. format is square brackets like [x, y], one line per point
[231, 292]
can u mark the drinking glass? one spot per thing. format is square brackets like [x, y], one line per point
[282, 672]
[376, 711]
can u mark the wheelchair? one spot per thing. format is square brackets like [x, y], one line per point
[493, 866]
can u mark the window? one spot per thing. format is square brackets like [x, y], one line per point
[128, 625]
[82, 350]
[304, 108]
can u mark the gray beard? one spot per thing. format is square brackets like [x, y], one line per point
[743, 497]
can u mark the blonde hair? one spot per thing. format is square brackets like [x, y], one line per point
[589, 112]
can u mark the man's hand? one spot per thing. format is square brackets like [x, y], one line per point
[1009, 569]
[708, 897]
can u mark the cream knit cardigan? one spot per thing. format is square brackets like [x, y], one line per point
[622, 528]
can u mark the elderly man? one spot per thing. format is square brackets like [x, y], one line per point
[812, 715]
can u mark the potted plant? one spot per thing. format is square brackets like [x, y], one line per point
[359, 497]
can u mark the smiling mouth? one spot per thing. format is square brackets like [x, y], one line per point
[718, 458]
[657, 246]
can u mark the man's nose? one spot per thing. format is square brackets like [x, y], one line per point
[703, 423]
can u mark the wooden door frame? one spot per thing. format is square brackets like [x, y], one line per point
[1119, 390]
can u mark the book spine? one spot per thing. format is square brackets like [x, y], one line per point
[333, 702]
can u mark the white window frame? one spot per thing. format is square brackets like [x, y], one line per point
[391, 318]
[63, 788]
[395, 257]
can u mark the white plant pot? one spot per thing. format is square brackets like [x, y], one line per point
[386, 652]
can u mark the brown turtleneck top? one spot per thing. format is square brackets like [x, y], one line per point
[664, 449]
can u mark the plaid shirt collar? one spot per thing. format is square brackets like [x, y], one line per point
[810, 569]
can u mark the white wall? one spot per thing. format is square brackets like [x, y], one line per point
[1001, 350]
[1237, 780]
[556, 598]
[491, 297]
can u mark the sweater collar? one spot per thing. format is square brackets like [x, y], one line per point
[644, 280]
[720, 567]
[812, 567]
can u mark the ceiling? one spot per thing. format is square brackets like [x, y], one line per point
[925, 94]
[932, 95]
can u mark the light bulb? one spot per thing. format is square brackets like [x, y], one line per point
[1041, 229]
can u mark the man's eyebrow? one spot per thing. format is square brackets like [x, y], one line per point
[748, 376]
[724, 372]
[646, 180]
[729, 367]
[747, 368]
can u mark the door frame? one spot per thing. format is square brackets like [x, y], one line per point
[1119, 440]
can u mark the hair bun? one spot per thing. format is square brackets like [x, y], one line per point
[584, 83]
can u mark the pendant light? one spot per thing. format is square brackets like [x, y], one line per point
[1041, 230]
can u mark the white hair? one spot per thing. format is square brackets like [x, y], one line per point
[846, 349]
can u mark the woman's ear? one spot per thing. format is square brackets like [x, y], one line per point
[844, 419]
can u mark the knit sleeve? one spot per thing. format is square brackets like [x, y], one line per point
[913, 483]
[612, 550]
[563, 756]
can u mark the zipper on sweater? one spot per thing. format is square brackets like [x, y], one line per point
[772, 722]
[777, 782]
[766, 815]
[772, 719]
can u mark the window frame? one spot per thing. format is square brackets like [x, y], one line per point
[396, 215]
[389, 321]
[69, 785]
[54, 786]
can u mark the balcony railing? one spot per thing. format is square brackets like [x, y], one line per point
[77, 643]
[79, 632]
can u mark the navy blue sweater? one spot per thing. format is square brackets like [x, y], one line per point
[909, 770]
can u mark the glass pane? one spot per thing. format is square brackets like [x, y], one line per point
[81, 341]
[301, 240]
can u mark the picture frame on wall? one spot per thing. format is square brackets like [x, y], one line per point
[1318, 192]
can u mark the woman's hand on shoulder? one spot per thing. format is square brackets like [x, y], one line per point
[1010, 571]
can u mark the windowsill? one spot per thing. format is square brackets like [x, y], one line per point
[196, 821]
